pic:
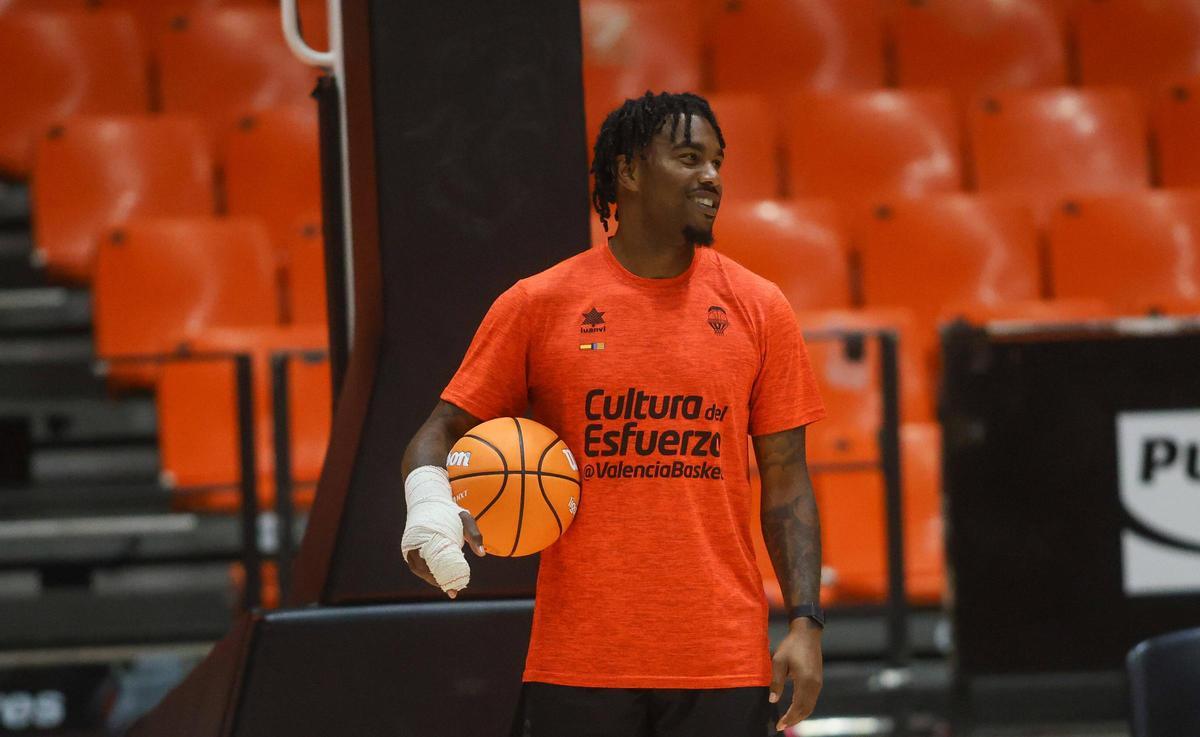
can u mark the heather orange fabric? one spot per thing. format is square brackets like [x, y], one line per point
[654, 385]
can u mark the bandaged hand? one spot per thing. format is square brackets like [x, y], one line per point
[435, 529]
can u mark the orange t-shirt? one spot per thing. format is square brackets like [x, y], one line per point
[654, 384]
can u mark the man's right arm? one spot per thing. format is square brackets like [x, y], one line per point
[429, 447]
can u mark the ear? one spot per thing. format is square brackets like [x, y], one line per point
[627, 172]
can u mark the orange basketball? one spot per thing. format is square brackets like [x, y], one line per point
[520, 482]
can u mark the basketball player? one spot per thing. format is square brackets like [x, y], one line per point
[653, 358]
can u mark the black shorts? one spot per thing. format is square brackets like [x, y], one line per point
[567, 711]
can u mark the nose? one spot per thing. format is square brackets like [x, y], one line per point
[710, 176]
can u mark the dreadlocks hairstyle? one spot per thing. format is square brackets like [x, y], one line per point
[628, 130]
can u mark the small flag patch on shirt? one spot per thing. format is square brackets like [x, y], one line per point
[591, 346]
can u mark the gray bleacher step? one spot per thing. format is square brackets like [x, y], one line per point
[14, 204]
[17, 268]
[45, 310]
[80, 617]
[132, 462]
[129, 539]
[49, 366]
[81, 500]
[85, 419]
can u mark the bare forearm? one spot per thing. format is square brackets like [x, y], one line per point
[432, 442]
[790, 524]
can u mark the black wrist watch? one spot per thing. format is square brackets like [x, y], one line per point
[812, 611]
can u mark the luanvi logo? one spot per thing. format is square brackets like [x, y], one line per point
[593, 322]
[1158, 464]
[718, 320]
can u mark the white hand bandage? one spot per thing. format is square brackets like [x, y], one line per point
[434, 527]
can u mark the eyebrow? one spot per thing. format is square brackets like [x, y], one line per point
[693, 144]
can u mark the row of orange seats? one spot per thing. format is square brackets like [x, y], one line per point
[1042, 145]
[851, 503]
[968, 46]
[923, 261]
[172, 298]
[96, 170]
[123, 57]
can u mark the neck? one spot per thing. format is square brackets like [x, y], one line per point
[650, 255]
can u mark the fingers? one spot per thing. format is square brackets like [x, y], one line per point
[804, 700]
[471, 532]
[418, 566]
[778, 678]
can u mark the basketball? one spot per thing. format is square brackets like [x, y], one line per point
[519, 481]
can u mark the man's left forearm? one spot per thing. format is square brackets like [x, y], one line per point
[790, 524]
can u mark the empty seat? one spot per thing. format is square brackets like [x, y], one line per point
[864, 146]
[161, 282]
[1176, 119]
[928, 253]
[801, 246]
[1049, 144]
[1163, 682]
[197, 415]
[750, 170]
[854, 524]
[154, 16]
[1137, 43]
[304, 251]
[848, 375]
[219, 64]
[974, 46]
[62, 64]
[642, 46]
[1138, 252]
[775, 45]
[96, 171]
[272, 167]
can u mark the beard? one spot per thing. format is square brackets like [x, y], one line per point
[697, 236]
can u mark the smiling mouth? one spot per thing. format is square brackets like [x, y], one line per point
[707, 205]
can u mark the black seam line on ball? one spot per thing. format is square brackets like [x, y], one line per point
[504, 483]
[550, 474]
[542, 487]
[521, 509]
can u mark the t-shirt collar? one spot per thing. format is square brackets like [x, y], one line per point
[649, 283]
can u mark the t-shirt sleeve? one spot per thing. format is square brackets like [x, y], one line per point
[785, 392]
[491, 381]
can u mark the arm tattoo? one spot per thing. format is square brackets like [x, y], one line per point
[790, 526]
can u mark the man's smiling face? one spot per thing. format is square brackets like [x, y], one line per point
[680, 179]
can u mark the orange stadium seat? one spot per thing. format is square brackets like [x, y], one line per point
[197, 416]
[154, 16]
[751, 167]
[1137, 43]
[43, 85]
[848, 376]
[1139, 252]
[1176, 119]
[635, 46]
[1049, 144]
[305, 282]
[95, 171]
[974, 46]
[854, 525]
[802, 246]
[864, 146]
[927, 253]
[777, 45]
[220, 64]
[162, 281]
[272, 167]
